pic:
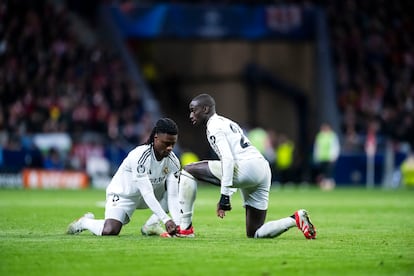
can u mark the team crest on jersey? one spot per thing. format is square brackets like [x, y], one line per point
[166, 170]
[141, 169]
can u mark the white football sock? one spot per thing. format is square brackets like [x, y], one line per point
[173, 201]
[94, 225]
[275, 228]
[186, 196]
[153, 219]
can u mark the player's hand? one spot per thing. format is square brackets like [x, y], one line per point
[171, 227]
[223, 205]
[220, 213]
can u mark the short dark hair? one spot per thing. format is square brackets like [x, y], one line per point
[163, 125]
[205, 99]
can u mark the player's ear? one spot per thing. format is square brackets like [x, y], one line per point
[206, 109]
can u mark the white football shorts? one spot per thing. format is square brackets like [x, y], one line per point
[252, 177]
[121, 208]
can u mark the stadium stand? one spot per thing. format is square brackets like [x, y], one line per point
[374, 59]
[52, 82]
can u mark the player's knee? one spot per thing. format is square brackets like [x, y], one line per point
[186, 173]
[187, 181]
[107, 231]
[111, 228]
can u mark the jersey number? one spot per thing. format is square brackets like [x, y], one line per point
[244, 143]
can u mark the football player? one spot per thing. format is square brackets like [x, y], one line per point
[147, 178]
[241, 166]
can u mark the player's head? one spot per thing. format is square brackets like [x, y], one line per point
[202, 107]
[164, 136]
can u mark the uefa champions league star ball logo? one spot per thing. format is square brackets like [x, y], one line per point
[141, 169]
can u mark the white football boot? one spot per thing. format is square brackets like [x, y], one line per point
[154, 229]
[76, 227]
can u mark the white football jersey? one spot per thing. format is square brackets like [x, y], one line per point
[141, 173]
[230, 144]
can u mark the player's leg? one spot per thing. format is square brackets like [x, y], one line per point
[118, 211]
[152, 226]
[256, 202]
[256, 209]
[112, 227]
[254, 220]
[254, 180]
[204, 171]
[275, 228]
[169, 202]
[99, 227]
[186, 197]
[86, 222]
[191, 174]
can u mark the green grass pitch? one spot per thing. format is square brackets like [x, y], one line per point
[360, 232]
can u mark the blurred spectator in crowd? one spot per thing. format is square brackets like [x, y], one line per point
[84, 150]
[53, 160]
[263, 140]
[260, 138]
[352, 141]
[325, 154]
[407, 171]
[1, 155]
[371, 142]
[284, 159]
[374, 56]
[51, 82]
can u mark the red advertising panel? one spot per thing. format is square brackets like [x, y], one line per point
[45, 179]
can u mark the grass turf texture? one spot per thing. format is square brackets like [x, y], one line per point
[360, 232]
